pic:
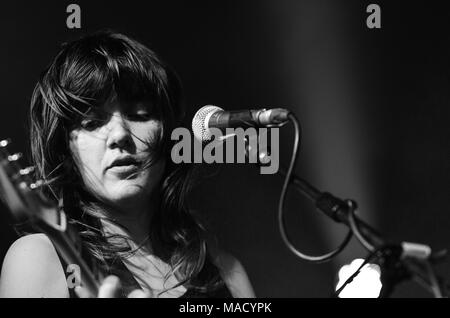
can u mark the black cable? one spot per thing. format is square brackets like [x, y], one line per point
[281, 223]
[355, 229]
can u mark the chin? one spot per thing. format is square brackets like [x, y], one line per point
[126, 189]
[127, 192]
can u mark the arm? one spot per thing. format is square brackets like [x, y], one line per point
[235, 276]
[31, 268]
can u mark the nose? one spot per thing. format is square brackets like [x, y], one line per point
[119, 135]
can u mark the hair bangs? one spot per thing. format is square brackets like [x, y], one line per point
[93, 72]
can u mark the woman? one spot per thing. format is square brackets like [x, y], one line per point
[101, 118]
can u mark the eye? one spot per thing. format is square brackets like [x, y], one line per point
[139, 115]
[91, 124]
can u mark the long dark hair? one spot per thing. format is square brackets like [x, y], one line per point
[85, 74]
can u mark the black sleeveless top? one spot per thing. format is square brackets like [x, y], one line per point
[129, 283]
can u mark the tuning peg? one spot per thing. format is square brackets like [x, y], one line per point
[15, 157]
[37, 184]
[5, 142]
[23, 173]
[26, 171]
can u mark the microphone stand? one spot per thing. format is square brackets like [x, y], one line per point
[397, 262]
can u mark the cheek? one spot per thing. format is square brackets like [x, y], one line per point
[146, 133]
[87, 152]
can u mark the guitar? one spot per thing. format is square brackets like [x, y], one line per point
[25, 201]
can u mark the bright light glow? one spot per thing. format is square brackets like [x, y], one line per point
[366, 285]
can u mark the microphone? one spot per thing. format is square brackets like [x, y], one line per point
[211, 116]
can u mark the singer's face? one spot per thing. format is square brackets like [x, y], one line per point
[110, 146]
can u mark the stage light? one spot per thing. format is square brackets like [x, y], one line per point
[366, 284]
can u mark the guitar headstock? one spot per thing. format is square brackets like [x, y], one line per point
[20, 192]
[24, 199]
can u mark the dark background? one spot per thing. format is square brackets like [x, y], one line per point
[373, 103]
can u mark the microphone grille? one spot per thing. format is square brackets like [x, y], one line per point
[200, 122]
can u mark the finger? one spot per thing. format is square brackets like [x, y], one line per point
[110, 287]
[82, 292]
[139, 293]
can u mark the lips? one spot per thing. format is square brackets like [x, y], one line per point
[124, 165]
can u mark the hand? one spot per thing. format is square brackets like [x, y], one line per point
[110, 288]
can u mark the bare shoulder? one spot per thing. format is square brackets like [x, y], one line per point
[31, 268]
[234, 275]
